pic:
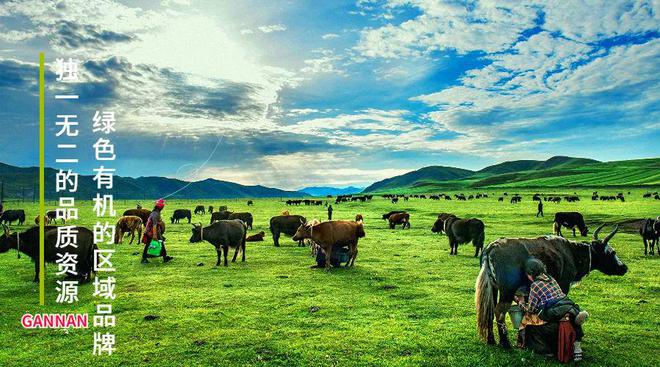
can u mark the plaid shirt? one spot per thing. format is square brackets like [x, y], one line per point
[543, 290]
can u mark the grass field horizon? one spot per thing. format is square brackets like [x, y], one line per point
[406, 301]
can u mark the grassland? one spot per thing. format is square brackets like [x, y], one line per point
[405, 303]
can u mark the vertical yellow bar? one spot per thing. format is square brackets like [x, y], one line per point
[42, 164]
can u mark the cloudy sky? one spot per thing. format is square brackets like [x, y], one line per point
[299, 93]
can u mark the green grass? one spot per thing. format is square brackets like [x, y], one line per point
[405, 303]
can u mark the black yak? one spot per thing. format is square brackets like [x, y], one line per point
[461, 231]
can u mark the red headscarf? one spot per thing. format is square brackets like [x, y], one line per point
[160, 203]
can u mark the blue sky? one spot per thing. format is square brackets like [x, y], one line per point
[300, 93]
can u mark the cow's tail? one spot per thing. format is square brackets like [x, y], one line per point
[243, 240]
[484, 299]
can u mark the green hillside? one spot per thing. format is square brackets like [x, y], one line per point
[555, 172]
[434, 173]
[641, 172]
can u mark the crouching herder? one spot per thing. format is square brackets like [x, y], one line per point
[552, 323]
[339, 255]
[153, 235]
[332, 236]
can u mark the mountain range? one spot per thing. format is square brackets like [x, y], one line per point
[334, 191]
[22, 182]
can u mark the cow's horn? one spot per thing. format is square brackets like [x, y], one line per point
[597, 231]
[609, 236]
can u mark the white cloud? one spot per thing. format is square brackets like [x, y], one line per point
[272, 28]
[329, 36]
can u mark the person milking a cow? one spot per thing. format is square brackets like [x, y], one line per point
[550, 321]
[153, 239]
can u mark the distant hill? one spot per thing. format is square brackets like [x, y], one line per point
[435, 173]
[529, 165]
[555, 172]
[23, 181]
[327, 190]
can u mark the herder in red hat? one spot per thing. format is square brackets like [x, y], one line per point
[154, 231]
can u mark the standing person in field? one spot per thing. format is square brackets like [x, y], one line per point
[330, 212]
[548, 313]
[540, 209]
[154, 230]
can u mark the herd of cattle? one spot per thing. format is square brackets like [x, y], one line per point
[228, 229]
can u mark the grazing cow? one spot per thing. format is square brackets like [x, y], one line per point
[199, 209]
[29, 245]
[256, 237]
[181, 214]
[222, 208]
[359, 218]
[569, 220]
[516, 199]
[211, 209]
[649, 235]
[395, 200]
[142, 213]
[250, 203]
[399, 218]
[331, 234]
[503, 272]
[220, 215]
[245, 217]
[501, 198]
[287, 224]
[387, 215]
[439, 225]
[222, 235]
[9, 216]
[52, 216]
[129, 224]
[460, 231]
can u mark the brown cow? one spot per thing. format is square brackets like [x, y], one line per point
[359, 218]
[142, 213]
[330, 234]
[400, 218]
[256, 237]
[128, 224]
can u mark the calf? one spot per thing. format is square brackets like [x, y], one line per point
[359, 218]
[399, 218]
[256, 237]
[461, 231]
[222, 235]
[570, 220]
[386, 216]
[52, 216]
[129, 224]
[199, 209]
[250, 203]
[333, 234]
